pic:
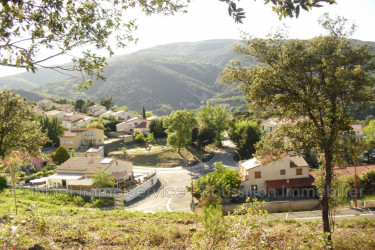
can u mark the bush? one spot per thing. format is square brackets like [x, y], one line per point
[3, 182]
[61, 155]
[78, 200]
[139, 137]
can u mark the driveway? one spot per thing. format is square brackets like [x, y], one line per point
[170, 194]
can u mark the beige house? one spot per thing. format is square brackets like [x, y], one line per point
[136, 123]
[97, 110]
[358, 131]
[47, 103]
[283, 175]
[76, 119]
[77, 137]
[55, 113]
[76, 173]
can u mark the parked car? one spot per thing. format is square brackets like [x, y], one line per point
[207, 157]
[193, 162]
[241, 198]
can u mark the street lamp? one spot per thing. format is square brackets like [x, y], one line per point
[238, 156]
[201, 148]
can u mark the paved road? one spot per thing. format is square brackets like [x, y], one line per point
[170, 194]
[317, 214]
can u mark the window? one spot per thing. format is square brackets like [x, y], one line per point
[100, 140]
[271, 129]
[254, 187]
[299, 171]
[258, 175]
[282, 172]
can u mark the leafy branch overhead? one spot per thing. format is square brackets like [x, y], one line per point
[32, 28]
[283, 8]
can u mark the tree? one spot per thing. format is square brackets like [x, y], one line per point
[156, 127]
[78, 104]
[178, 126]
[221, 183]
[139, 137]
[144, 112]
[370, 133]
[310, 82]
[18, 131]
[283, 8]
[59, 27]
[103, 179]
[13, 167]
[150, 137]
[107, 102]
[95, 124]
[61, 155]
[245, 134]
[206, 135]
[54, 128]
[215, 118]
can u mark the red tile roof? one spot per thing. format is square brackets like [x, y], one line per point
[291, 183]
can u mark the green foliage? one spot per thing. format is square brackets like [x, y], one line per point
[157, 129]
[179, 126]
[222, 182]
[369, 130]
[139, 137]
[95, 124]
[103, 179]
[3, 182]
[54, 128]
[245, 134]
[18, 131]
[205, 136]
[61, 155]
[215, 118]
[144, 112]
[62, 26]
[212, 219]
[79, 104]
[107, 102]
[150, 137]
[301, 80]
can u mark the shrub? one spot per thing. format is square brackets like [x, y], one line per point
[3, 182]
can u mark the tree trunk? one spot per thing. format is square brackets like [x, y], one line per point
[326, 189]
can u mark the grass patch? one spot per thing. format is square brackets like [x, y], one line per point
[59, 223]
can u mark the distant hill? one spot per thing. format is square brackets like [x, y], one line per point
[172, 76]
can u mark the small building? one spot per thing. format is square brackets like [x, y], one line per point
[97, 110]
[55, 113]
[45, 104]
[358, 131]
[77, 137]
[37, 162]
[97, 151]
[76, 173]
[282, 176]
[136, 123]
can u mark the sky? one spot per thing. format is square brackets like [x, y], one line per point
[209, 19]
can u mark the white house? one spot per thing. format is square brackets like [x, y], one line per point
[284, 175]
[136, 123]
[77, 172]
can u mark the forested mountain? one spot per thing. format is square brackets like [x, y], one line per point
[172, 76]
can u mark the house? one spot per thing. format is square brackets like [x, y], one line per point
[97, 110]
[66, 107]
[37, 162]
[136, 123]
[358, 131]
[55, 113]
[77, 172]
[76, 119]
[97, 151]
[119, 115]
[283, 176]
[45, 104]
[77, 137]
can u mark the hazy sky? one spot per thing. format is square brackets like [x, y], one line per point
[209, 19]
